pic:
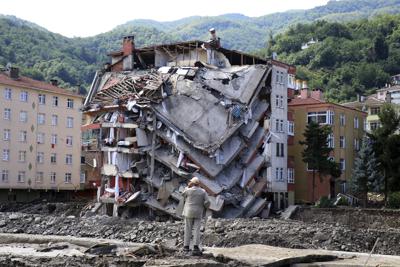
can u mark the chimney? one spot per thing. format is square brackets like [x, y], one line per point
[304, 93]
[128, 45]
[13, 72]
[317, 94]
[305, 85]
[54, 82]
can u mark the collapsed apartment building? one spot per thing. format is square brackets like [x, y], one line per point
[163, 115]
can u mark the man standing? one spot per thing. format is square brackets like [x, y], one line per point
[195, 201]
[211, 45]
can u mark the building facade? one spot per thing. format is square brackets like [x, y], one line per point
[345, 139]
[277, 173]
[41, 142]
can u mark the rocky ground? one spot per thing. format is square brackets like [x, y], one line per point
[217, 232]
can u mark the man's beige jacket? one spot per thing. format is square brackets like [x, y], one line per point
[196, 200]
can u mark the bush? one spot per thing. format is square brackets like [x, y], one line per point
[394, 200]
[324, 202]
[343, 202]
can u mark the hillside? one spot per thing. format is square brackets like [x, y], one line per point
[45, 55]
[348, 59]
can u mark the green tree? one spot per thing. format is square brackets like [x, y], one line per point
[366, 174]
[386, 144]
[317, 151]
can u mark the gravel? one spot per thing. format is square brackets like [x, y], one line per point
[216, 232]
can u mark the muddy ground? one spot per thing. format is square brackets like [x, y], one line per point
[313, 234]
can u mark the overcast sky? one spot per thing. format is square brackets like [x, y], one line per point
[86, 18]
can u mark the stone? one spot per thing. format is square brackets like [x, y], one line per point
[14, 216]
[3, 223]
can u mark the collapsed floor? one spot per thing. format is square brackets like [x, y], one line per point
[160, 127]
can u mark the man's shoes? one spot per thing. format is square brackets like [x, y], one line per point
[196, 251]
[186, 249]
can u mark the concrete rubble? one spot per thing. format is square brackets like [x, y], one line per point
[160, 124]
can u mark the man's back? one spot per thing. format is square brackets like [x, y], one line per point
[195, 201]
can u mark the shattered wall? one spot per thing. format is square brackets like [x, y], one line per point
[160, 127]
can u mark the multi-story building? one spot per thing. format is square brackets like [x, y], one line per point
[372, 104]
[40, 144]
[144, 147]
[282, 78]
[345, 139]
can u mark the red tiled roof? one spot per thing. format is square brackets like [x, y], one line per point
[314, 101]
[307, 101]
[29, 83]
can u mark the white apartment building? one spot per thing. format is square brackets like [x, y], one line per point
[277, 172]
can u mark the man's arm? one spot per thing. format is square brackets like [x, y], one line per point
[206, 200]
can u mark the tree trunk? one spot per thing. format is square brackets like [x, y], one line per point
[386, 186]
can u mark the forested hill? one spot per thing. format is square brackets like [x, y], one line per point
[348, 59]
[45, 55]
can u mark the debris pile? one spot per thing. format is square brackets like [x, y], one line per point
[159, 127]
[216, 232]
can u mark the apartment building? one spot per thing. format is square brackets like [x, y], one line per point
[277, 172]
[40, 137]
[347, 132]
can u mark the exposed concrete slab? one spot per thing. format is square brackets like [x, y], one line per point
[263, 255]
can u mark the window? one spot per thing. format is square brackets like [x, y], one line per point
[356, 144]
[54, 120]
[6, 154]
[279, 149]
[331, 141]
[342, 164]
[53, 139]
[52, 177]
[318, 117]
[69, 140]
[365, 124]
[6, 134]
[83, 178]
[39, 177]
[4, 176]
[42, 99]
[55, 101]
[21, 176]
[7, 114]
[277, 101]
[23, 116]
[342, 142]
[22, 136]
[291, 128]
[70, 122]
[375, 111]
[68, 177]
[355, 122]
[40, 157]
[21, 156]
[331, 116]
[68, 159]
[374, 125]
[290, 176]
[279, 126]
[40, 138]
[70, 103]
[53, 158]
[342, 119]
[41, 118]
[7, 94]
[281, 101]
[279, 174]
[23, 96]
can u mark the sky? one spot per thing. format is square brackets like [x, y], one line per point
[82, 18]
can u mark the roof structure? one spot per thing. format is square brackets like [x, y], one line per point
[25, 82]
